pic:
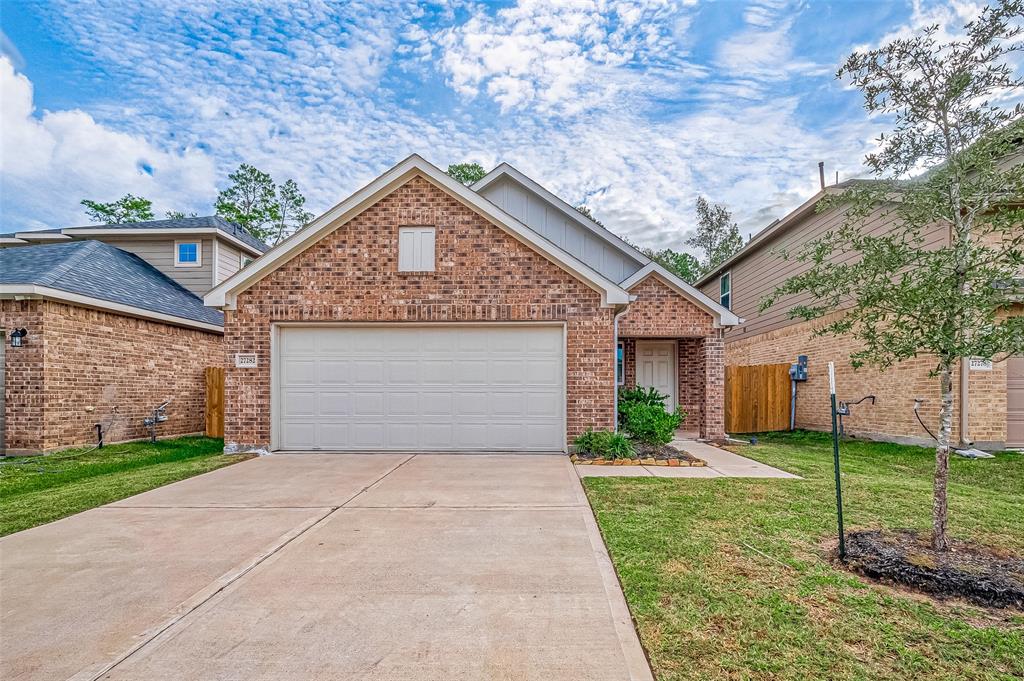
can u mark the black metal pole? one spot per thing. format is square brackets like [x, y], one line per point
[839, 484]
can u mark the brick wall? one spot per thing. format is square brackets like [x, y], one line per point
[482, 275]
[661, 312]
[892, 416]
[23, 374]
[87, 366]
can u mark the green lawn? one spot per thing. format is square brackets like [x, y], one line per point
[38, 489]
[729, 578]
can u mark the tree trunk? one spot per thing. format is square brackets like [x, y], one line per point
[940, 510]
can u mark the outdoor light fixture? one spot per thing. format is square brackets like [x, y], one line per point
[18, 337]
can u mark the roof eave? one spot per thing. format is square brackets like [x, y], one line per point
[165, 231]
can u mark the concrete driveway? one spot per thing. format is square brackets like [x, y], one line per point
[354, 566]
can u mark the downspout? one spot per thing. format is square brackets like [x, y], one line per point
[615, 362]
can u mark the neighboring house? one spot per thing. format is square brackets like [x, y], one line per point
[115, 326]
[419, 314]
[993, 393]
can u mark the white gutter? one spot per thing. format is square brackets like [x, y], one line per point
[19, 291]
[128, 233]
[615, 362]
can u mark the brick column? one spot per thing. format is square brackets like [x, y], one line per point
[713, 424]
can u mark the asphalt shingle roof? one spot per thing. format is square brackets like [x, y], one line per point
[95, 269]
[208, 221]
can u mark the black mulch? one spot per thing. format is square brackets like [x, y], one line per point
[967, 571]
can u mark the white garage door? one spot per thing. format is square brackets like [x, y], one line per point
[409, 388]
[1015, 402]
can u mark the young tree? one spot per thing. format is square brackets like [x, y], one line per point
[250, 201]
[717, 236]
[128, 208]
[290, 215]
[467, 173]
[898, 298]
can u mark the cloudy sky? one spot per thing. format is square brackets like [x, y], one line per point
[634, 108]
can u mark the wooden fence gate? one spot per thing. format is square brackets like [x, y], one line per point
[215, 401]
[757, 398]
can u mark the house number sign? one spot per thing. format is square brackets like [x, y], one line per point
[246, 360]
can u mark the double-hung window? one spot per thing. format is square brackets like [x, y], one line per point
[725, 290]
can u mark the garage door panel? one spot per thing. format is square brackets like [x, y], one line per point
[299, 372]
[333, 403]
[483, 388]
[300, 403]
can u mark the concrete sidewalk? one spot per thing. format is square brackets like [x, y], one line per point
[720, 464]
[325, 567]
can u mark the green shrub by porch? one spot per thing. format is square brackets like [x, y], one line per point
[605, 444]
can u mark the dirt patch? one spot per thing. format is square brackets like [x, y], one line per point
[974, 573]
[664, 455]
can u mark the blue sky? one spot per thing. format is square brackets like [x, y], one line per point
[634, 108]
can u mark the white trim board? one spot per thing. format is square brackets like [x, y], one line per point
[723, 316]
[225, 294]
[21, 291]
[186, 231]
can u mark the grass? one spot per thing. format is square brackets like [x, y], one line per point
[39, 489]
[731, 579]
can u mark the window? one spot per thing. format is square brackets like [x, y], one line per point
[620, 364]
[243, 260]
[416, 249]
[187, 254]
[725, 290]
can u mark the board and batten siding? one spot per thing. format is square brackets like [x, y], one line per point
[160, 254]
[759, 272]
[228, 260]
[551, 223]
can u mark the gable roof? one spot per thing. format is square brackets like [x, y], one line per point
[198, 225]
[723, 315]
[506, 170]
[225, 293]
[97, 274]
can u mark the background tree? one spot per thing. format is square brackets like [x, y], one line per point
[897, 298]
[290, 214]
[467, 173]
[179, 215]
[128, 208]
[586, 212]
[683, 265]
[270, 212]
[717, 236]
[250, 201]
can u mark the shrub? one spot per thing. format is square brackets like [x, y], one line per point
[648, 396]
[650, 423]
[604, 443]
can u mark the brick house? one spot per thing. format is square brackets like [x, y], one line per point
[114, 327]
[420, 314]
[992, 392]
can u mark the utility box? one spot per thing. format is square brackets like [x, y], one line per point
[798, 371]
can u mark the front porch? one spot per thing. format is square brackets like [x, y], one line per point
[690, 370]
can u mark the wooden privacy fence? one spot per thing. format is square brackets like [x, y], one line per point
[757, 398]
[215, 401]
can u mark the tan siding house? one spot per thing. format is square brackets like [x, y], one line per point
[772, 336]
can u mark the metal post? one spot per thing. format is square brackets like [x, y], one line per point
[835, 461]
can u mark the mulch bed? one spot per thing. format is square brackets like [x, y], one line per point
[975, 573]
[646, 455]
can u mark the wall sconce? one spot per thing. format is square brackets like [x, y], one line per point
[18, 337]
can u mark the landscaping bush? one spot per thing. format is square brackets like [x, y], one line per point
[604, 443]
[650, 424]
[648, 396]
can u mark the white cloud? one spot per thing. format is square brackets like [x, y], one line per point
[50, 162]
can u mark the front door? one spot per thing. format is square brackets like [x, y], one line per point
[656, 368]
